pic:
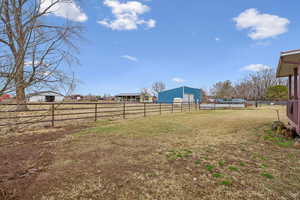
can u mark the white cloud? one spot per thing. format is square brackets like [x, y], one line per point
[261, 25]
[255, 67]
[217, 39]
[127, 15]
[178, 80]
[131, 58]
[151, 23]
[64, 8]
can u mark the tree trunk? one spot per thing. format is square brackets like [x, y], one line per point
[20, 82]
[21, 98]
[20, 88]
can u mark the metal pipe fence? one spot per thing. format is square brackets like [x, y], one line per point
[53, 113]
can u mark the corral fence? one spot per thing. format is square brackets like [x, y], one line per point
[51, 114]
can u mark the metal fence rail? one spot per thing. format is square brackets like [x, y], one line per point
[51, 113]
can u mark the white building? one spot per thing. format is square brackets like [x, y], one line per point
[45, 97]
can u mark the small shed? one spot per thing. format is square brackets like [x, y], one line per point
[134, 97]
[186, 94]
[48, 96]
[128, 97]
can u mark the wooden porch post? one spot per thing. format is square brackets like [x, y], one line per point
[290, 86]
[298, 102]
[296, 83]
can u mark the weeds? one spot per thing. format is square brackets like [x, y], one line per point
[209, 167]
[226, 182]
[221, 163]
[232, 168]
[291, 156]
[179, 154]
[217, 175]
[286, 144]
[264, 166]
[197, 162]
[278, 140]
[267, 175]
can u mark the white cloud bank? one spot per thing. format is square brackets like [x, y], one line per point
[131, 58]
[178, 80]
[255, 67]
[127, 15]
[261, 25]
[65, 9]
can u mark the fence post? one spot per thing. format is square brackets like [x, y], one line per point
[96, 111]
[181, 106]
[144, 109]
[172, 107]
[159, 108]
[189, 106]
[124, 110]
[199, 108]
[52, 111]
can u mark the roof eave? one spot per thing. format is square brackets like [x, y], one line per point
[292, 52]
[282, 62]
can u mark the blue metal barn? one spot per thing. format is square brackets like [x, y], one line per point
[187, 94]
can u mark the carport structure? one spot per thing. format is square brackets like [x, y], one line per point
[289, 66]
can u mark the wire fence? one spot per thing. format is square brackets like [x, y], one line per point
[51, 114]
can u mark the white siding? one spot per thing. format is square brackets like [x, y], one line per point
[37, 99]
[42, 98]
[59, 98]
[188, 98]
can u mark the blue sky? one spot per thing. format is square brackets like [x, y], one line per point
[131, 44]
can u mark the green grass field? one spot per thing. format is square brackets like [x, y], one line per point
[223, 154]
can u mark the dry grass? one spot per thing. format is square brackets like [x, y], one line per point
[200, 155]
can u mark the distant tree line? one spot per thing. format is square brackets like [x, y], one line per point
[261, 85]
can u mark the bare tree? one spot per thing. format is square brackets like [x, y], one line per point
[243, 89]
[34, 49]
[255, 85]
[223, 89]
[145, 91]
[157, 87]
[204, 95]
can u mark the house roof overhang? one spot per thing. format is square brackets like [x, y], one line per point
[287, 62]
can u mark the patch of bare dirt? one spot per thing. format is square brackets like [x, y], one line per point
[23, 158]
